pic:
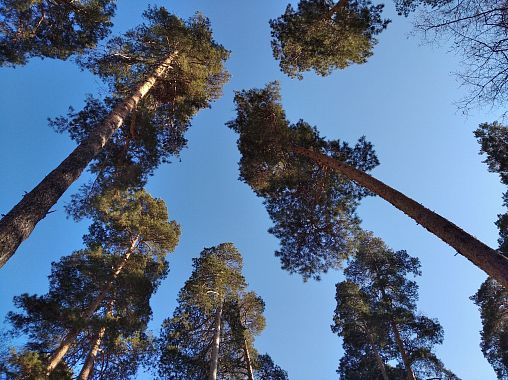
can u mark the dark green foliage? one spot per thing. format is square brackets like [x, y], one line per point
[186, 338]
[155, 130]
[492, 298]
[376, 300]
[28, 365]
[266, 369]
[323, 36]
[313, 209]
[51, 28]
[119, 220]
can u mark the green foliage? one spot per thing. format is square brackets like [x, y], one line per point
[119, 220]
[186, 338]
[492, 298]
[26, 365]
[266, 369]
[374, 301]
[313, 209]
[51, 28]
[323, 36]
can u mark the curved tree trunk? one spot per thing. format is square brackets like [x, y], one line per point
[19, 223]
[214, 359]
[87, 369]
[481, 255]
[69, 339]
[405, 358]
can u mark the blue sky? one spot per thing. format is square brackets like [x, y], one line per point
[402, 100]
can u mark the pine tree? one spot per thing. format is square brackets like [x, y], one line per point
[211, 333]
[51, 28]
[322, 35]
[377, 317]
[174, 68]
[492, 298]
[311, 188]
[100, 295]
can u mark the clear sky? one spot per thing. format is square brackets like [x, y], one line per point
[402, 100]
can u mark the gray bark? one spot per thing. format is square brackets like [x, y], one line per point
[481, 255]
[19, 223]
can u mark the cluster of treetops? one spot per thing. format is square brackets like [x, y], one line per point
[160, 74]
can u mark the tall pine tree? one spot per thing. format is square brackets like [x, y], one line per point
[311, 188]
[211, 333]
[173, 67]
[376, 316]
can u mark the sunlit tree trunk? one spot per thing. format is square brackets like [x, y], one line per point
[19, 223]
[248, 363]
[484, 257]
[71, 336]
[214, 357]
[87, 369]
[400, 345]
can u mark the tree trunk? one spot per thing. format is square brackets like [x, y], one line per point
[19, 223]
[214, 359]
[71, 336]
[248, 363]
[87, 369]
[407, 363]
[379, 360]
[484, 257]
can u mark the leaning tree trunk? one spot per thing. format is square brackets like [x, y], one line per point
[491, 261]
[19, 223]
[405, 358]
[71, 336]
[248, 362]
[87, 369]
[214, 358]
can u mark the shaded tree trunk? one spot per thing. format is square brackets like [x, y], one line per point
[71, 336]
[87, 369]
[484, 257]
[214, 358]
[405, 358]
[248, 362]
[19, 223]
[379, 360]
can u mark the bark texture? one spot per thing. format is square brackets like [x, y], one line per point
[405, 358]
[248, 362]
[481, 255]
[19, 223]
[87, 369]
[214, 357]
[71, 336]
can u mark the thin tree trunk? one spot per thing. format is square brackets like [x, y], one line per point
[484, 257]
[214, 359]
[87, 369]
[379, 360]
[71, 336]
[19, 223]
[250, 373]
[405, 358]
